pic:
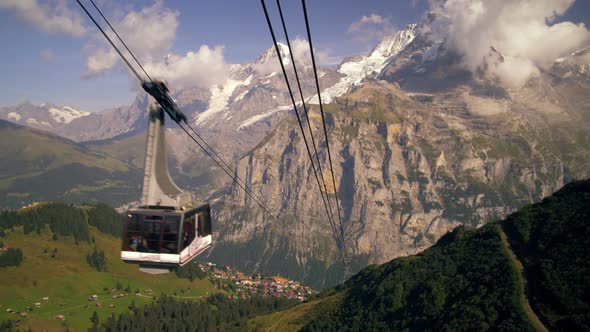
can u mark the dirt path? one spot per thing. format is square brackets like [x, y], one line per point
[532, 316]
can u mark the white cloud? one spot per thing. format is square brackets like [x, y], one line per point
[54, 17]
[302, 54]
[46, 55]
[523, 31]
[150, 34]
[203, 68]
[370, 28]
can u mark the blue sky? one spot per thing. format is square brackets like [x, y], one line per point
[42, 64]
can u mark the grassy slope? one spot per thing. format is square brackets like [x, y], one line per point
[293, 319]
[39, 165]
[129, 148]
[550, 238]
[67, 279]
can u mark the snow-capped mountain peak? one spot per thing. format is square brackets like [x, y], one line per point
[395, 43]
[356, 69]
[66, 114]
[270, 53]
[42, 116]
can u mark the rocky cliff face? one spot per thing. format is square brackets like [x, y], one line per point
[408, 166]
[420, 145]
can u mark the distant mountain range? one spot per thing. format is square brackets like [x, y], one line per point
[420, 145]
[38, 166]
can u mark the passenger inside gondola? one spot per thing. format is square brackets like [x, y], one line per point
[170, 235]
[188, 231]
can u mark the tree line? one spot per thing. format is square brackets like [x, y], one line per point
[64, 220]
[216, 313]
[11, 257]
[97, 260]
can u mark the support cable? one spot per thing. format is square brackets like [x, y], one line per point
[110, 41]
[121, 40]
[297, 114]
[229, 172]
[317, 83]
[305, 110]
[233, 174]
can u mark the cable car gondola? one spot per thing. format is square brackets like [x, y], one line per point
[166, 237]
[170, 228]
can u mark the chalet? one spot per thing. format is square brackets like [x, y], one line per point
[60, 317]
[38, 305]
[45, 299]
[279, 280]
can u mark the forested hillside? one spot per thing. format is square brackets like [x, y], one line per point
[552, 239]
[471, 280]
[64, 220]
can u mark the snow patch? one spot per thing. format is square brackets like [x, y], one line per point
[14, 116]
[66, 114]
[219, 98]
[259, 117]
[33, 121]
[431, 53]
[357, 70]
[241, 96]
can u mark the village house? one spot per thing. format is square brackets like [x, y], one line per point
[280, 280]
[37, 305]
[60, 317]
[45, 299]
[24, 315]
